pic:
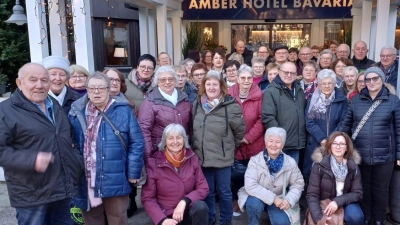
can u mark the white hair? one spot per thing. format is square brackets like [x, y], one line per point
[394, 50]
[173, 128]
[165, 69]
[350, 69]
[275, 131]
[326, 73]
[21, 70]
[245, 68]
[100, 76]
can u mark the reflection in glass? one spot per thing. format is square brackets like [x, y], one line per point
[116, 43]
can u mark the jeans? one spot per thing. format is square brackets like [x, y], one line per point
[255, 207]
[375, 181]
[196, 215]
[294, 153]
[219, 178]
[353, 215]
[55, 213]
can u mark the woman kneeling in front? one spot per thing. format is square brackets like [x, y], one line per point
[175, 186]
[336, 176]
[265, 178]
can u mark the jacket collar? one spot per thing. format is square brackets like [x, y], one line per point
[320, 156]
[161, 160]
[382, 95]
[360, 62]
[261, 162]
[254, 93]
[156, 96]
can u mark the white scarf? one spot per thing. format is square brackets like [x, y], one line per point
[61, 96]
[171, 98]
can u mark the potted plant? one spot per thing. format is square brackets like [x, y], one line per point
[3, 82]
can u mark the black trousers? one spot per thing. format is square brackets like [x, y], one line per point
[375, 182]
[197, 214]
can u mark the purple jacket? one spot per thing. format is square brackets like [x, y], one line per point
[156, 113]
[165, 187]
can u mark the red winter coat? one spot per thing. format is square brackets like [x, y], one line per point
[156, 113]
[165, 187]
[252, 109]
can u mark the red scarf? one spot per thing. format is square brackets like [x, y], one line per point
[175, 160]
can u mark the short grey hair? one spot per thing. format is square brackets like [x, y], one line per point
[245, 68]
[275, 131]
[99, 75]
[326, 51]
[187, 61]
[213, 74]
[326, 73]
[394, 50]
[173, 128]
[347, 46]
[179, 69]
[21, 71]
[165, 69]
[350, 69]
[257, 60]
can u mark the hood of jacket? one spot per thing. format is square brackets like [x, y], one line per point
[320, 152]
[255, 92]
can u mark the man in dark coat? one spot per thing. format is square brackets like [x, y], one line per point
[388, 64]
[41, 162]
[360, 59]
[240, 47]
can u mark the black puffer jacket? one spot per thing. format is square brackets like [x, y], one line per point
[322, 184]
[70, 97]
[24, 131]
[378, 141]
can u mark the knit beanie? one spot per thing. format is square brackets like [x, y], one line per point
[57, 62]
[375, 70]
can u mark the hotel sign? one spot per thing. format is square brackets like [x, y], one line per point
[265, 9]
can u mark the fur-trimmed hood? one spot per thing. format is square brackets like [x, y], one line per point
[319, 154]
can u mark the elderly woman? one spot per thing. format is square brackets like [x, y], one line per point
[325, 59]
[358, 87]
[59, 72]
[258, 67]
[218, 128]
[338, 67]
[112, 161]
[271, 71]
[231, 70]
[308, 83]
[166, 104]
[77, 81]
[325, 110]
[349, 78]
[175, 186]
[218, 59]
[183, 83]
[335, 176]
[139, 82]
[265, 176]
[377, 140]
[249, 97]
[206, 59]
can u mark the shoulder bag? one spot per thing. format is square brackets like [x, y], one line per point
[365, 118]
[335, 219]
[294, 211]
[143, 174]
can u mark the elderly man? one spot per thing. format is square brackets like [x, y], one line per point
[263, 52]
[41, 162]
[281, 53]
[163, 59]
[283, 106]
[59, 71]
[360, 60]
[240, 47]
[388, 64]
[343, 51]
[305, 55]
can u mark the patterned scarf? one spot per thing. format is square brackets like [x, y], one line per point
[143, 85]
[210, 105]
[339, 169]
[93, 120]
[274, 165]
[310, 89]
[175, 160]
[319, 104]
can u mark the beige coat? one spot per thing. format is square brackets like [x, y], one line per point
[258, 183]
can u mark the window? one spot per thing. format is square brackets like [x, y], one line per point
[116, 43]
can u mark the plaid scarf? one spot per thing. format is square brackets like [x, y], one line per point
[143, 85]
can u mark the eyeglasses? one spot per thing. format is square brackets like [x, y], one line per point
[305, 54]
[182, 76]
[360, 82]
[342, 52]
[98, 89]
[243, 79]
[327, 84]
[338, 145]
[143, 67]
[286, 73]
[374, 79]
[387, 56]
[340, 66]
[199, 74]
[112, 80]
[165, 79]
[80, 77]
[323, 58]
[309, 70]
[231, 71]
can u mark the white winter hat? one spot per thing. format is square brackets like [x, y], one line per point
[58, 62]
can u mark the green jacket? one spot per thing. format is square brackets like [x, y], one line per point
[133, 92]
[280, 109]
[218, 133]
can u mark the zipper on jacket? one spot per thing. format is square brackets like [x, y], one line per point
[298, 121]
[223, 149]
[203, 125]
[327, 120]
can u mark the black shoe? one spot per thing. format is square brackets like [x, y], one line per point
[227, 223]
[132, 208]
[210, 222]
[378, 223]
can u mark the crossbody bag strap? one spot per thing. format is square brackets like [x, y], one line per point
[116, 131]
[365, 118]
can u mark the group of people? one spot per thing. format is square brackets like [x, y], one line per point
[68, 135]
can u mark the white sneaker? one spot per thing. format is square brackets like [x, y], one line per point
[236, 214]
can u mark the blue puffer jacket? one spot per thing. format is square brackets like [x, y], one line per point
[115, 165]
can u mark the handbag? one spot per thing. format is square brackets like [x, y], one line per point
[365, 118]
[294, 211]
[336, 218]
[239, 167]
[143, 174]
